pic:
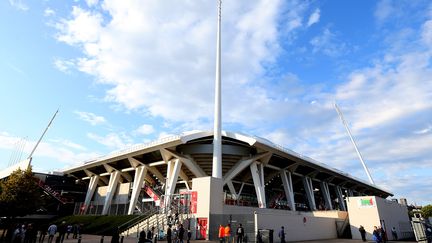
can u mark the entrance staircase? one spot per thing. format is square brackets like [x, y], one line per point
[53, 193]
[177, 211]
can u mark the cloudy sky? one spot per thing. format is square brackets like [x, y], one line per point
[129, 72]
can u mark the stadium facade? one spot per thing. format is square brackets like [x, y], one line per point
[259, 179]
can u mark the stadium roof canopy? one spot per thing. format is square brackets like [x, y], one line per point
[195, 150]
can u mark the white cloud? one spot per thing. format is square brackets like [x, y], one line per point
[19, 4]
[69, 144]
[58, 151]
[427, 33]
[90, 118]
[49, 12]
[145, 129]
[165, 135]
[112, 140]
[167, 66]
[91, 3]
[384, 9]
[84, 27]
[63, 65]
[425, 130]
[328, 44]
[314, 18]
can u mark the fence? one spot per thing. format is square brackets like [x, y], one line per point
[96, 209]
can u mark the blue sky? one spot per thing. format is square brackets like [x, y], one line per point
[124, 73]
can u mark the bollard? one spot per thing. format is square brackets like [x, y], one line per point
[102, 239]
[121, 239]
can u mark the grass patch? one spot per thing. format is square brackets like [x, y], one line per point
[96, 225]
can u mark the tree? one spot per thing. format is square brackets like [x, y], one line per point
[19, 194]
[427, 211]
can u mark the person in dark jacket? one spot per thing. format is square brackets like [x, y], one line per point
[189, 236]
[240, 233]
[181, 234]
[150, 234]
[282, 235]
[168, 234]
[362, 233]
[142, 237]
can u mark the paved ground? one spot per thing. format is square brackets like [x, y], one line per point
[107, 239]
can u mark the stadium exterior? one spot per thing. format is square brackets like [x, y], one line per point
[259, 178]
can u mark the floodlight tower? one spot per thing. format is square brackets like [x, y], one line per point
[217, 137]
[354, 143]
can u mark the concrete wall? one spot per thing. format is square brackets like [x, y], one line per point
[299, 226]
[380, 212]
[393, 214]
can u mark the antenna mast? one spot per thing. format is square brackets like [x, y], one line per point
[43, 134]
[354, 143]
[217, 137]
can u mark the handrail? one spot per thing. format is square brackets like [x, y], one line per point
[132, 222]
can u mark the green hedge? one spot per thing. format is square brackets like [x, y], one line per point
[96, 225]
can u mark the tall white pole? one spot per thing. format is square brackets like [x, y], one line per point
[43, 134]
[217, 137]
[354, 143]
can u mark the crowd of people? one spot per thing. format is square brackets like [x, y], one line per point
[378, 235]
[28, 233]
[176, 234]
[226, 236]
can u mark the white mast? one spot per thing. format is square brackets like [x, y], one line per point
[43, 134]
[217, 137]
[354, 143]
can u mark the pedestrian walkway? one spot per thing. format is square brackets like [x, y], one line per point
[107, 239]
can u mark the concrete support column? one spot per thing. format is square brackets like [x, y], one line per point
[326, 195]
[288, 188]
[173, 171]
[232, 190]
[90, 192]
[140, 174]
[340, 198]
[112, 186]
[350, 193]
[258, 179]
[308, 186]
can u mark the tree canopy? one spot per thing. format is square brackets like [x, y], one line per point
[19, 194]
[427, 211]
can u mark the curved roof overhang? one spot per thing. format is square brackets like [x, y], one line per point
[258, 143]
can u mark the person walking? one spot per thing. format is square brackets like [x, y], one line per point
[282, 235]
[394, 233]
[68, 230]
[362, 233]
[376, 235]
[221, 234]
[181, 232]
[383, 234]
[227, 233]
[155, 235]
[168, 234]
[240, 233]
[142, 237]
[62, 231]
[52, 230]
[189, 235]
[150, 234]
